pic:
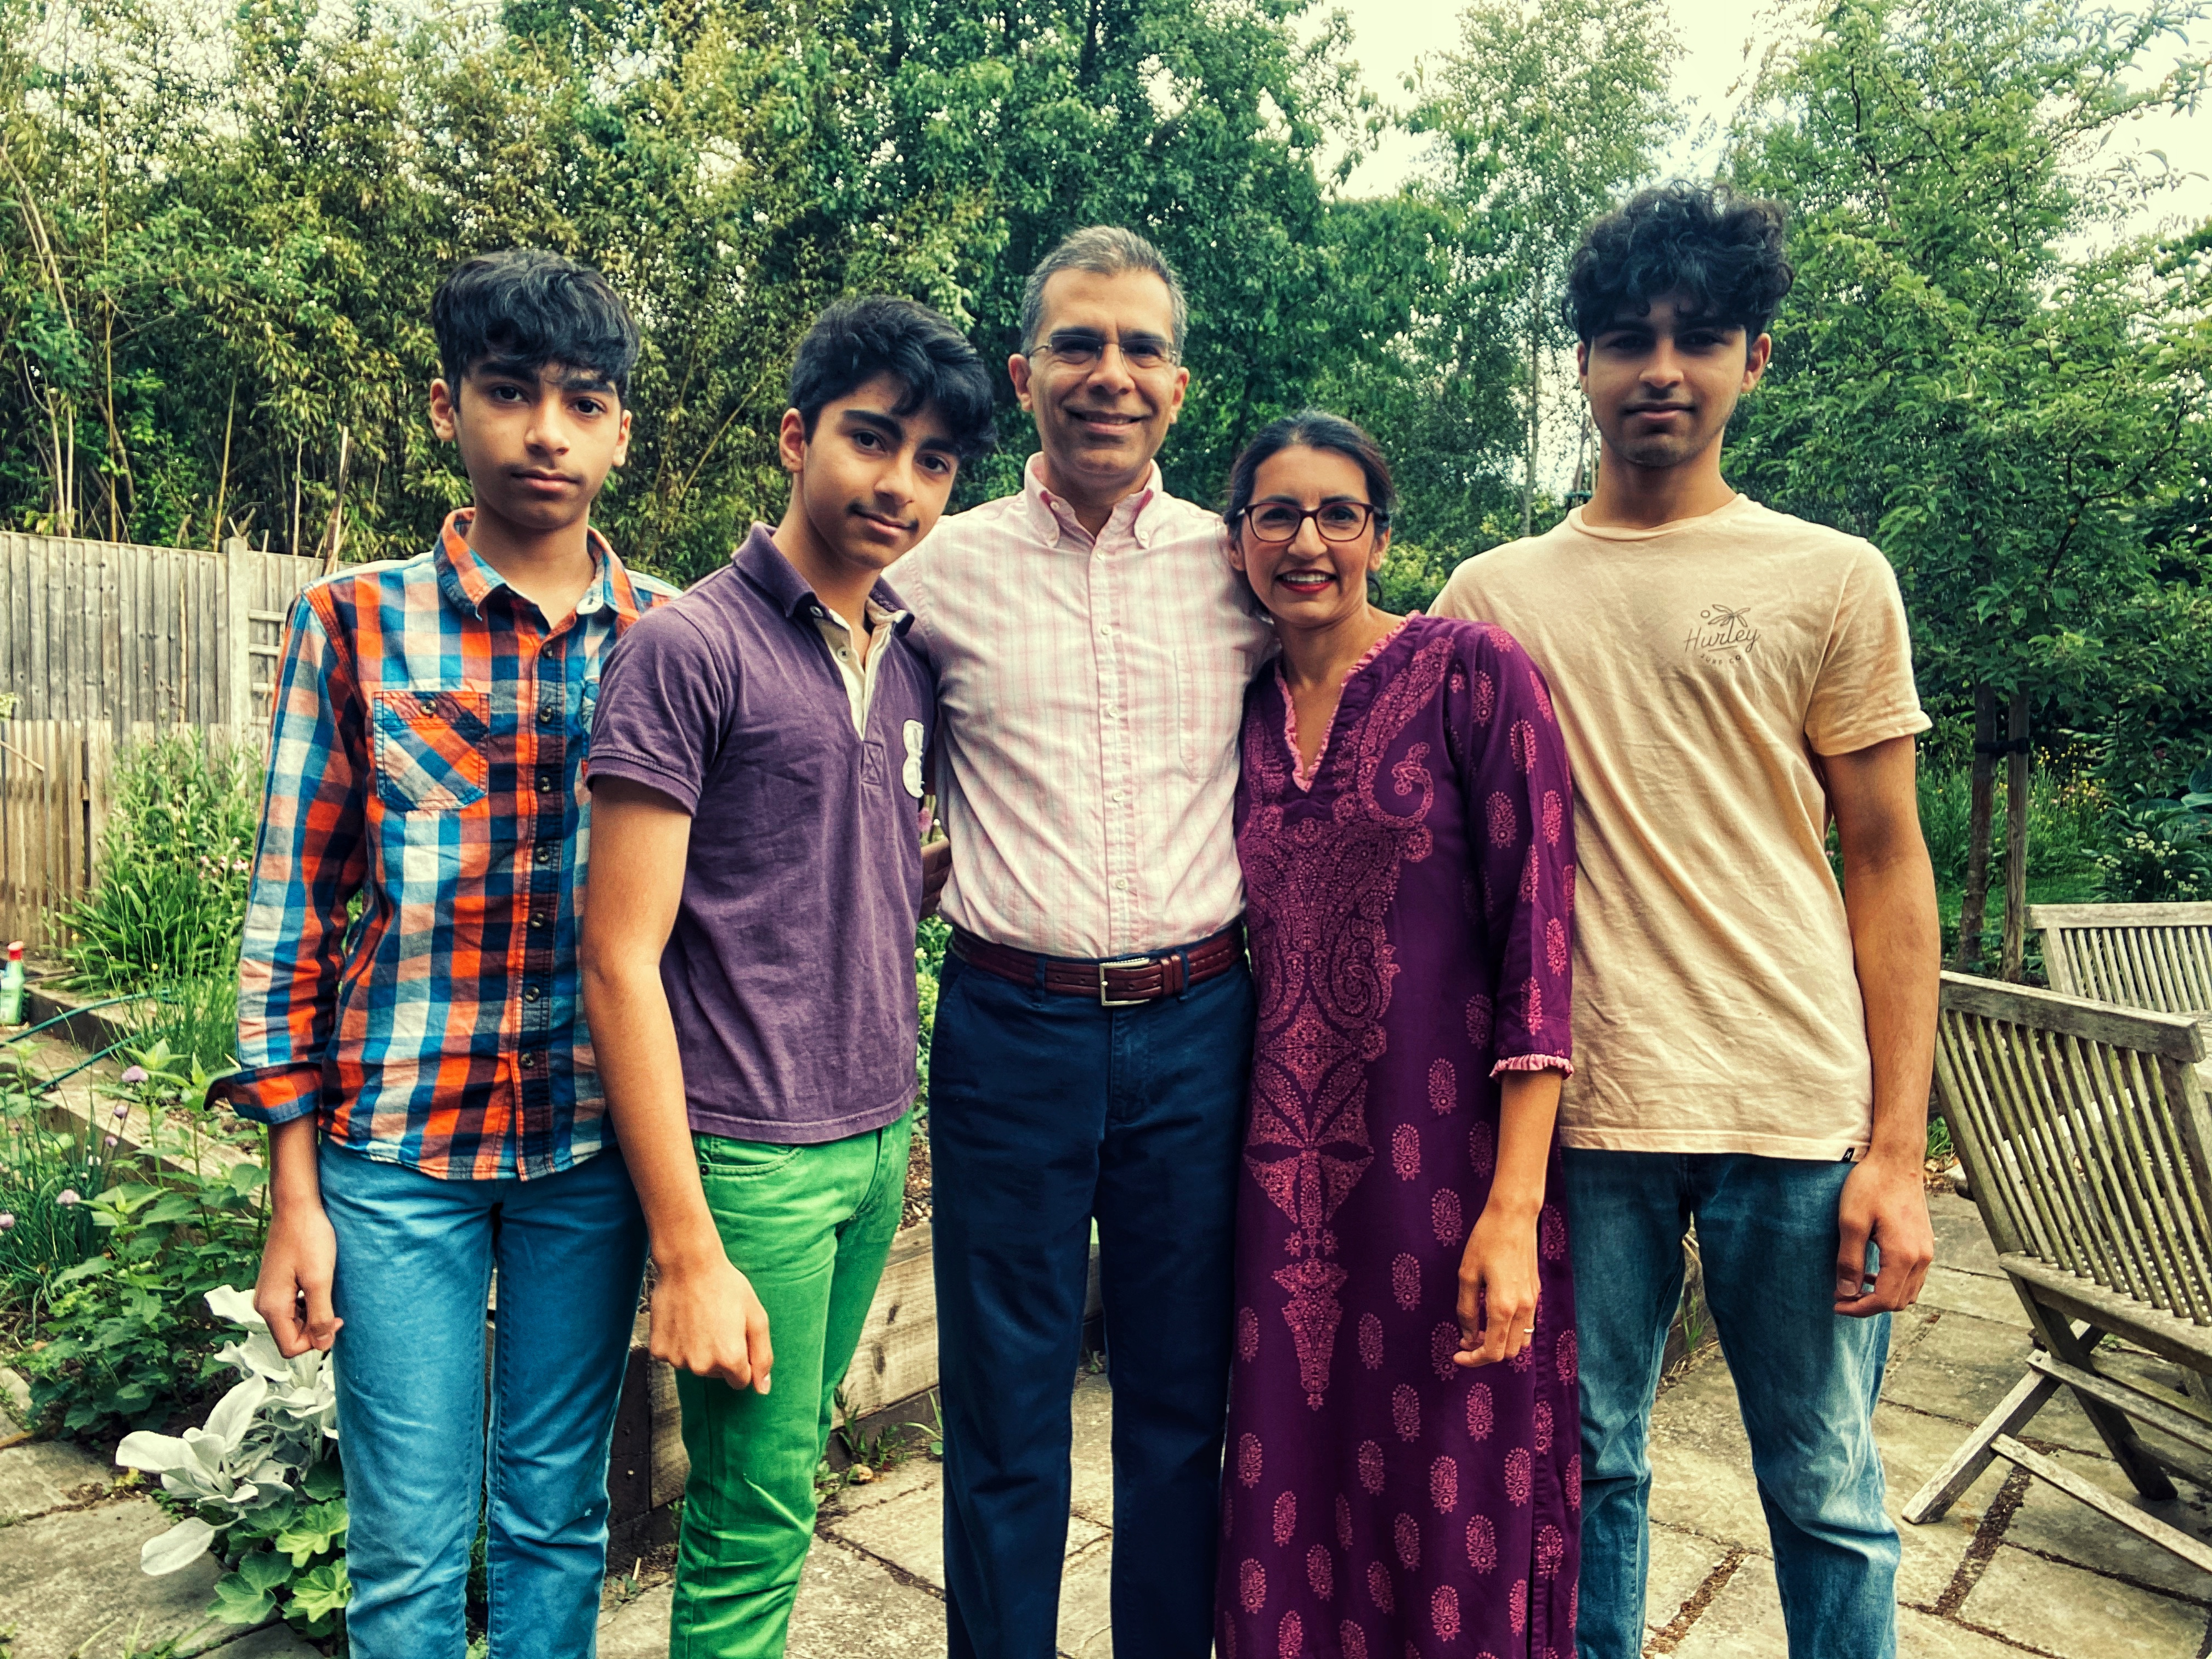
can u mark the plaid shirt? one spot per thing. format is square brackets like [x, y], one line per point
[428, 758]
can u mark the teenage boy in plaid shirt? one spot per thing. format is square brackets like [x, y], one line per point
[433, 1104]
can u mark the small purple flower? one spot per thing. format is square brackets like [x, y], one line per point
[7, 1220]
[111, 1140]
[67, 1197]
[134, 1075]
[123, 1110]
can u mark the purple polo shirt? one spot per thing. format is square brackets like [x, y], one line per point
[790, 970]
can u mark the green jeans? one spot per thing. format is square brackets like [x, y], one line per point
[811, 1227]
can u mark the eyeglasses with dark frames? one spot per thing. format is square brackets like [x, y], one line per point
[1079, 348]
[1274, 522]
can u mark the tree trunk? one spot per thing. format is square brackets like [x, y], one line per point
[2015, 914]
[1529, 468]
[1973, 906]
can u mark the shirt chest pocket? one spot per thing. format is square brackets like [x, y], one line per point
[1209, 708]
[431, 749]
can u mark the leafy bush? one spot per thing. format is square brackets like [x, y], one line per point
[46, 1176]
[197, 1020]
[2066, 825]
[123, 1338]
[2159, 851]
[174, 858]
[259, 1485]
[1412, 576]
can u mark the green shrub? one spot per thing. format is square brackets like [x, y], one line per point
[125, 1336]
[2066, 826]
[2159, 851]
[174, 858]
[47, 1177]
[197, 1020]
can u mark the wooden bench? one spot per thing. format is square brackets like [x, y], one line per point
[2133, 955]
[2084, 1132]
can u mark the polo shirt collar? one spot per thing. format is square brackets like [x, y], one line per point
[1135, 514]
[761, 562]
[466, 581]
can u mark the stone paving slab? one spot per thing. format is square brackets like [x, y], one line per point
[2081, 1615]
[2048, 1523]
[1953, 1291]
[849, 1607]
[908, 1533]
[1960, 1367]
[70, 1581]
[1962, 1243]
[1680, 1564]
[49, 1474]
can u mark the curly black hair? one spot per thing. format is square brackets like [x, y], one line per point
[1721, 251]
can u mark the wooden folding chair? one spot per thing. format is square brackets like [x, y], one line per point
[2084, 1132]
[2133, 955]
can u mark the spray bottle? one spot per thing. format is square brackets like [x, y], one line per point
[11, 987]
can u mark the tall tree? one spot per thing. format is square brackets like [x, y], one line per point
[1547, 111]
[1953, 377]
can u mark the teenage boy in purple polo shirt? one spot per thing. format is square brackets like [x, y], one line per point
[757, 780]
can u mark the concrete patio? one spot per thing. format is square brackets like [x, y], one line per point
[2016, 1568]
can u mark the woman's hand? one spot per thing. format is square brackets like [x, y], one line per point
[1498, 1285]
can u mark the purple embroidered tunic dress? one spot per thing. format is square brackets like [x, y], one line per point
[1409, 907]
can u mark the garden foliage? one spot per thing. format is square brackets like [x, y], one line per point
[259, 1484]
[121, 1337]
[175, 857]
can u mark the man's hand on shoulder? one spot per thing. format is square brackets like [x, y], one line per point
[1884, 1201]
[707, 1320]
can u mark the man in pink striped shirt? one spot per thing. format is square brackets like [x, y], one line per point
[1094, 1029]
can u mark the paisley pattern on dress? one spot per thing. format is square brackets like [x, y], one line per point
[1321, 1006]
[1409, 911]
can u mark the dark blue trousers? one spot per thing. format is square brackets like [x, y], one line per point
[1046, 1111]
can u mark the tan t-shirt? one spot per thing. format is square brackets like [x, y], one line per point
[1699, 670]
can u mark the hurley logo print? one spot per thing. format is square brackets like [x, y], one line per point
[1722, 635]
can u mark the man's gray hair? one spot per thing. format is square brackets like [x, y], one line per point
[1106, 250]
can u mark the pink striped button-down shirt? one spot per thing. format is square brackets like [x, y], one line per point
[1089, 697]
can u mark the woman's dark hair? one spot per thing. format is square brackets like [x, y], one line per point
[525, 309]
[1720, 251]
[855, 340]
[1313, 428]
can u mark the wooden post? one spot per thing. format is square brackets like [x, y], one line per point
[2016, 759]
[1973, 904]
[241, 566]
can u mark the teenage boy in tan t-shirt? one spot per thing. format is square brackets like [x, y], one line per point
[1753, 1046]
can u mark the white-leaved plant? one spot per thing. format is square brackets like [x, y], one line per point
[258, 1442]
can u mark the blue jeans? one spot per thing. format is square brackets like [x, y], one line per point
[415, 1262]
[1805, 1381]
[1046, 1110]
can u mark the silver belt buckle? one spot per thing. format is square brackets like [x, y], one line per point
[1105, 1001]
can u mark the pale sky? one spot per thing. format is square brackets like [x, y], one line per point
[1723, 40]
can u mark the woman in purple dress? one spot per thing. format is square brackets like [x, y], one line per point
[1403, 1476]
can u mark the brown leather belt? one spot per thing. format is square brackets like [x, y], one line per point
[1122, 982]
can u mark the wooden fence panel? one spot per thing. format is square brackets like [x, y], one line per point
[132, 635]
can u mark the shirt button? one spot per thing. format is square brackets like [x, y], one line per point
[531, 993]
[537, 918]
[547, 714]
[1122, 882]
[549, 850]
[545, 779]
[1106, 633]
[530, 1062]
